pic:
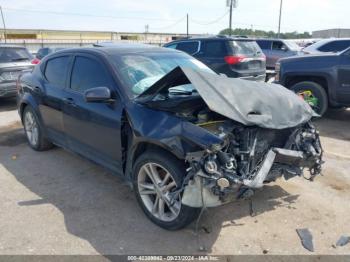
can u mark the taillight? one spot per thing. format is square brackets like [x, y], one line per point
[232, 60]
[263, 57]
[35, 61]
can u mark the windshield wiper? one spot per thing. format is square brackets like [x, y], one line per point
[19, 59]
[181, 92]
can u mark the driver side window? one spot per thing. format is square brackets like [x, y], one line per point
[88, 73]
[278, 46]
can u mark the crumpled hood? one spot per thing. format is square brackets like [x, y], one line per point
[250, 103]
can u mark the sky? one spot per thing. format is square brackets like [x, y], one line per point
[205, 16]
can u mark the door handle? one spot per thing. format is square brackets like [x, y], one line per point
[37, 89]
[69, 101]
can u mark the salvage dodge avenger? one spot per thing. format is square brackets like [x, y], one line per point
[184, 137]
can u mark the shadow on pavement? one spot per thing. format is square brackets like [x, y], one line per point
[335, 124]
[98, 207]
[7, 104]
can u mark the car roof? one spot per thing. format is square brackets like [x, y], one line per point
[119, 48]
[269, 39]
[11, 46]
[218, 38]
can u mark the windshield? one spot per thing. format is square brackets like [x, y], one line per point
[292, 45]
[141, 71]
[10, 54]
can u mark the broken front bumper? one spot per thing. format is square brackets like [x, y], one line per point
[208, 189]
[199, 193]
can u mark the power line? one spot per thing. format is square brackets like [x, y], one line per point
[140, 18]
[85, 15]
[172, 25]
[211, 22]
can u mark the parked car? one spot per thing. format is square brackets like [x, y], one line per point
[13, 59]
[44, 51]
[184, 137]
[275, 49]
[234, 57]
[328, 45]
[322, 80]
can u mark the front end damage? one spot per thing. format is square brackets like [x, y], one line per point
[264, 132]
[248, 158]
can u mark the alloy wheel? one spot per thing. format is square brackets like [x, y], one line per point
[155, 185]
[31, 128]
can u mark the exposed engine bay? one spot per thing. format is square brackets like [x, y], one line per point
[265, 131]
[248, 158]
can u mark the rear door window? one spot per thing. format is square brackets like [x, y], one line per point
[214, 49]
[56, 70]
[265, 45]
[335, 46]
[188, 47]
[278, 46]
[245, 47]
[11, 54]
[88, 73]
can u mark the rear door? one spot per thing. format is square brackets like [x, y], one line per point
[93, 129]
[266, 47]
[55, 73]
[212, 53]
[189, 47]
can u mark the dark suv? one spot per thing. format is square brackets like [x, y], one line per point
[234, 57]
[13, 60]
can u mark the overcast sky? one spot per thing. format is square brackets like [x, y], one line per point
[169, 16]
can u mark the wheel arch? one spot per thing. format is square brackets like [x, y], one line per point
[28, 100]
[143, 146]
[321, 80]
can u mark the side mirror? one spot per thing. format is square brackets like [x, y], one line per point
[98, 95]
[284, 48]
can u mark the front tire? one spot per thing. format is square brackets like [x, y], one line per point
[314, 94]
[156, 175]
[34, 131]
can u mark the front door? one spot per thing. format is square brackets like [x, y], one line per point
[343, 88]
[93, 129]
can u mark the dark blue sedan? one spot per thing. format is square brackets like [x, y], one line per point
[184, 137]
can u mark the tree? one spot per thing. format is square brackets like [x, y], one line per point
[262, 33]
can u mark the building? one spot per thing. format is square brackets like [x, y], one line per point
[338, 32]
[34, 39]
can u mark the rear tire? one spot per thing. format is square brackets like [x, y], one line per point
[34, 131]
[317, 92]
[163, 164]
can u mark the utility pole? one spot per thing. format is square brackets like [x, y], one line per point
[146, 31]
[279, 22]
[230, 25]
[3, 21]
[231, 4]
[187, 25]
